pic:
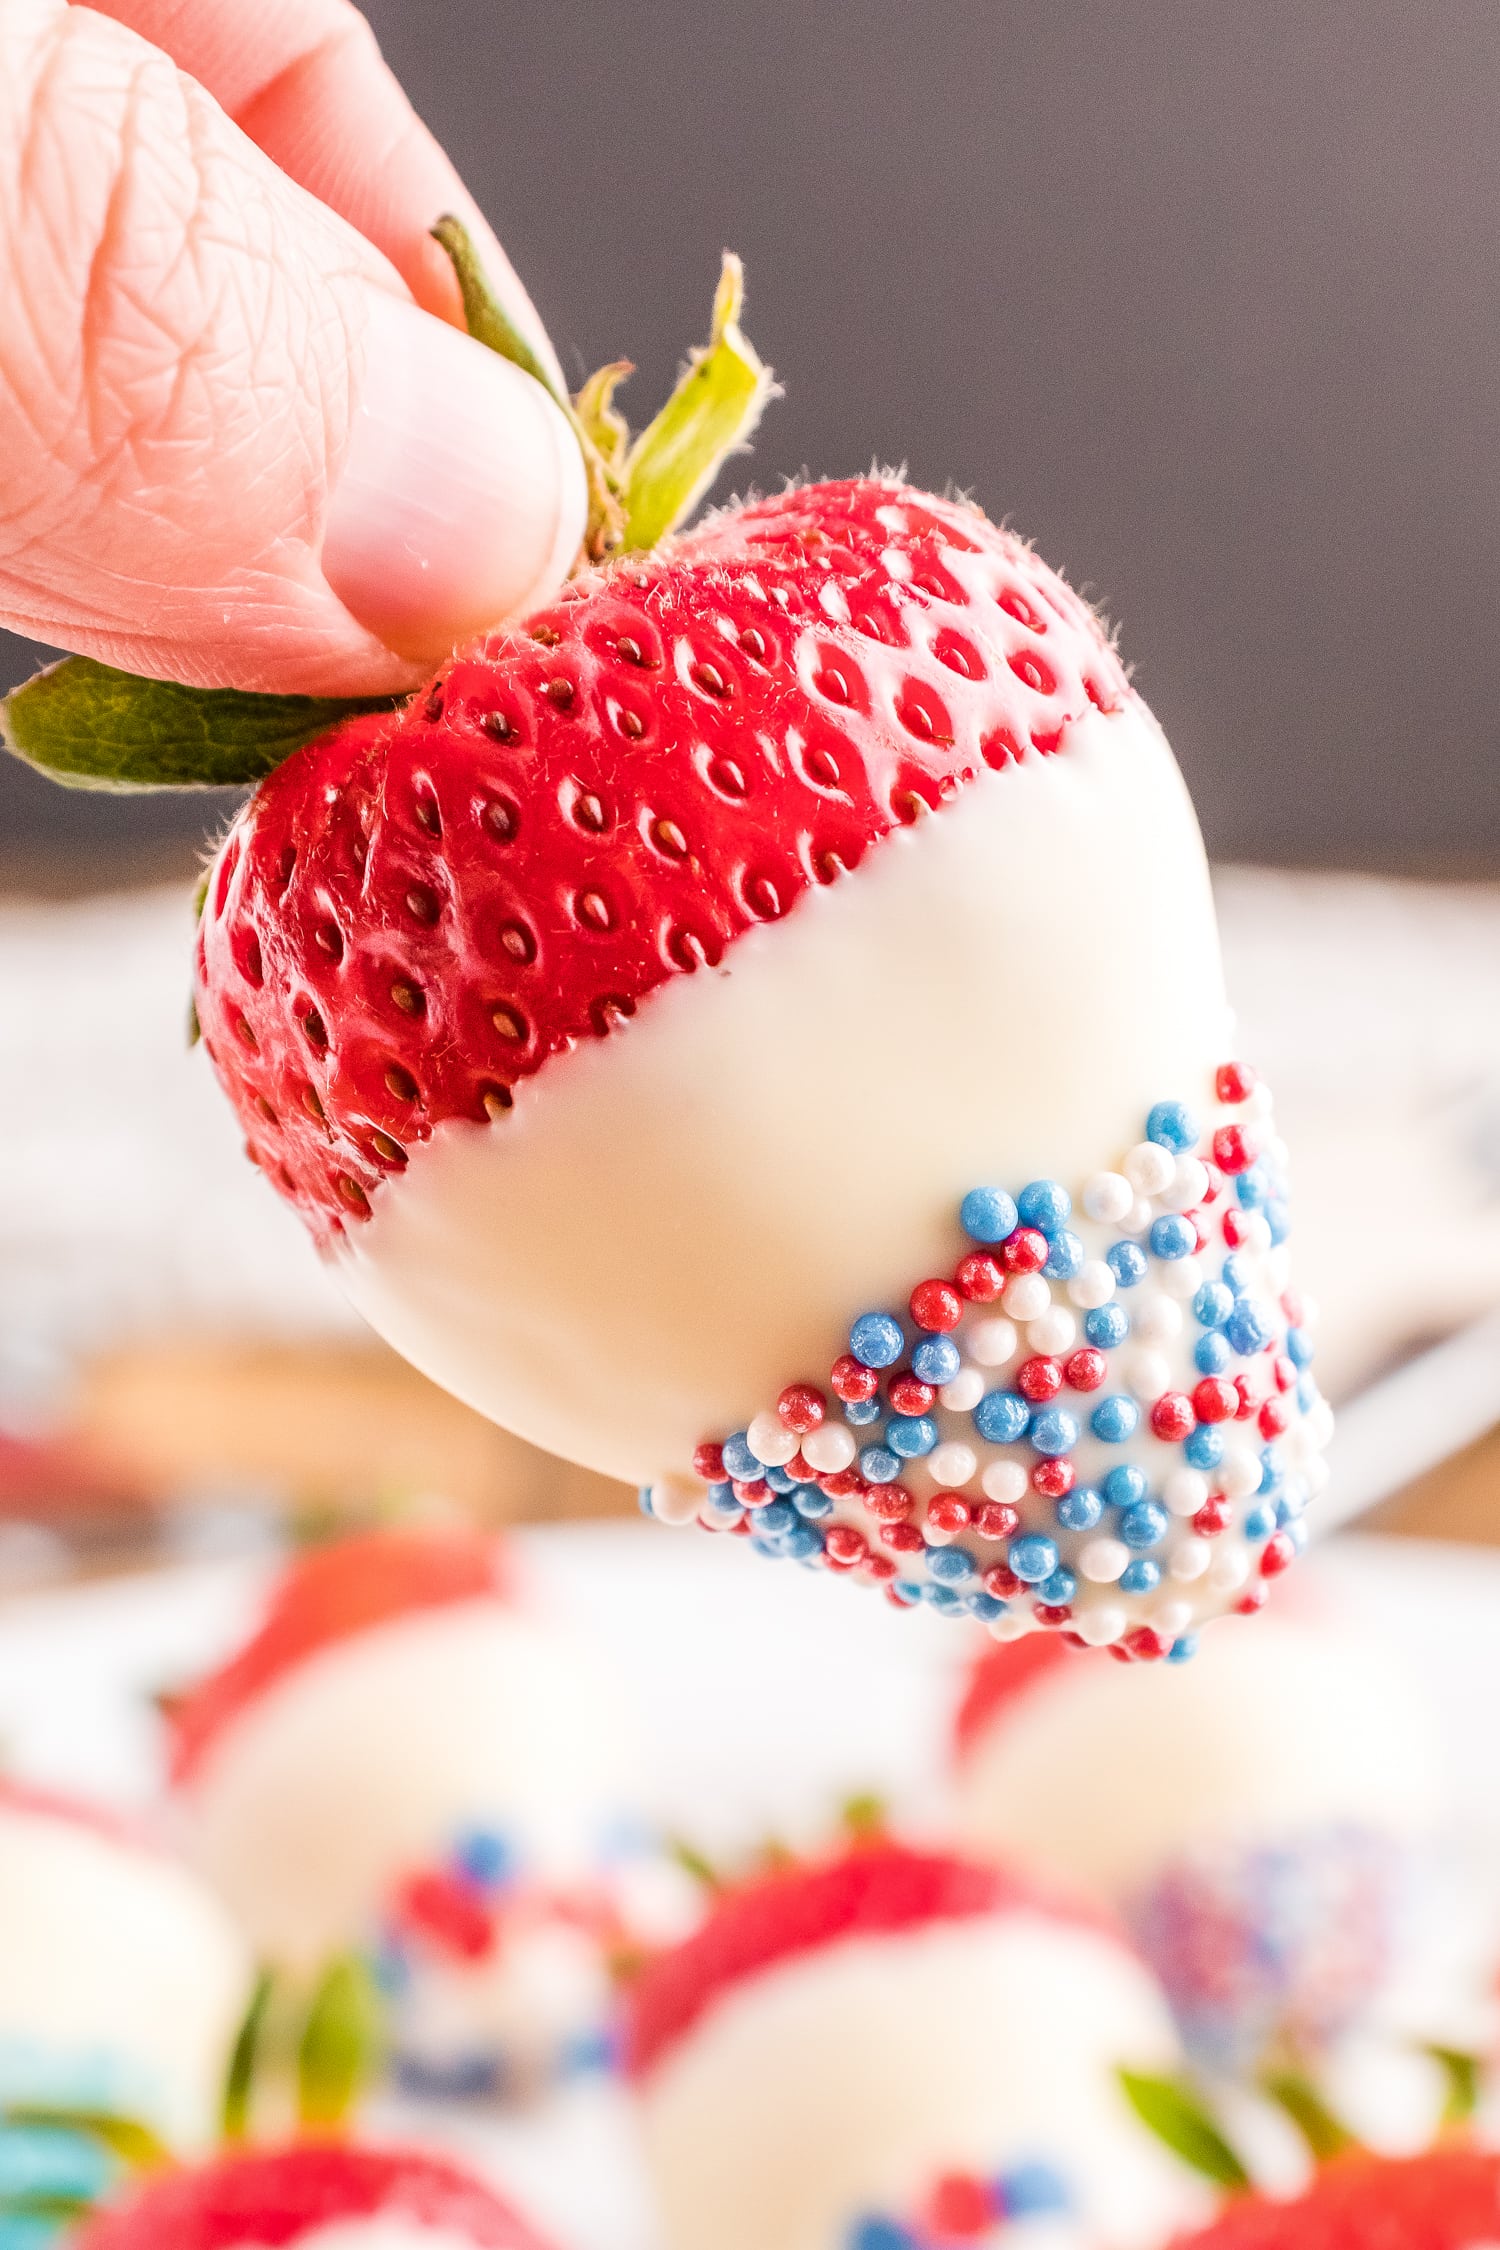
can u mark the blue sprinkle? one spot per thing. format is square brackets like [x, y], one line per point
[643, 1499]
[726, 1518]
[774, 1518]
[1172, 1125]
[770, 1548]
[1236, 1272]
[1270, 1468]
[1173, 1236]
[1115, 1419]
[1144, 1525]
[738, 1458]
[987, 1214]
[803, 1542]
[876, 1340]
[1297, 1533]
[1024, 2191]
[1212, 1353]
[907, 1591]
[1290, 1506]
[1124, 1486]
[1106, 1326]
[1065, 1256]
[880, 2234]
[1213, 1304]
[1127, 1262]
[877, 1466]
[950, 1565]
[1248, 1327]
[1252, 1188]
[1278, 1219]
[1044, 1204]
[1308, 1394]
[1033, 1558]
[721, 1495]
[1002, 1417]
[858, 1412]
[986, 1607]
[1053, 1431]
[1183, 1649]
[911, 1435]
[936, 1360]
[811, 1504]
[942, 1598]
[778, 1479]
[1260, 1522]
[1080, 1509]
[485, 1856]
[1204, 1448]
[1058, 1590]
[1299, 1347]
[1139, 1577]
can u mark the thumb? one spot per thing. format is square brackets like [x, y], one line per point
[232, 450]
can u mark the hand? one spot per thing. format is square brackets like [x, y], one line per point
[243, 439]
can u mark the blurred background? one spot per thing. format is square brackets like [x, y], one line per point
[1205, 302]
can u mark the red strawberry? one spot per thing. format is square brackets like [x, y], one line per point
[1448, 2199]
[272, 2199]
[419, 912]
[874, 1889]
[997, 1675]
[325, 1596]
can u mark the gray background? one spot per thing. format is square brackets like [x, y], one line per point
[1205, 299]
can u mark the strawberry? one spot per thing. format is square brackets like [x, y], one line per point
[328, 1595]
[270, 2199]
[1446, 2199]
[995, 1679]
[419, 913]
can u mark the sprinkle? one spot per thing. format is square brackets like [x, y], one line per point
[1108, 1198]
[1026, 1296]
[770, 1441]
[1107, 1325]
[936, 1360]
[801, 1408]
[1140, 1576]
[952, 1464]
[828, 1449]
[963, 1394]
[1103, 1560]
[1149, 1168]
[877, 1340]
[737, 1456]
[911, 1436]
[987, 1214]
[1033, 1559]
[1124, 1486]
[950, 1565]
[1173, 1236]
[1002, 1417]
[1080, 1509]
[1173, 1126]
[878, 1466]
[851, 1379]
[1144, 1525]
[993, 1342]
[1127, 1262]
[1054, 1431]
[1004, 1482]
[936, 1306]
[1044, 1204]
[1114, 1419]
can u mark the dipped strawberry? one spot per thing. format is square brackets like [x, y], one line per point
[314, 2197]
[1448, 2199]
[1263, 1826]
[409, 1759]
[886, 2040]
[757, 1029]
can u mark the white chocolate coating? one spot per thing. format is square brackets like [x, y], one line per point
[846, 2080]
[381, 2234]
[674, 1222]
[1274, 1730]
[367, 1759]
[113, 1960]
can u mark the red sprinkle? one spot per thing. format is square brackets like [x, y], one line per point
[1215, 1400]
[1025, 1251]
[1274, 1417]
[903, 1537]
[878, 1567]
[1253, 1598]
[980, 1278]
[944, 1513]
[852, 1381]
[1172, 1417]
[845, 1544]
[1248, 1400]
[708, 1463]
[1234, 1150]
[1234, 1082]
[1235, 1226]
[1085, 1369]
[843, 1484]
[1053, 1479]
[752, 1492]
[1146, 1644]
[1052, 1613]
[910, 1395]
[891, 1503]
[1213, 1516]
[960, 2207]
[1039, 1379]
[1002, 1583]
[997, 1519]
[937, 1306]
[801, 1408]
[1277, 1555]
[1284, 1371]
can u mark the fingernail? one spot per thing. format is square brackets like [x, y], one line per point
[462, 498]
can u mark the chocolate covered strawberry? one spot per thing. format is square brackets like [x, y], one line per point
[314, 2197]
[756, 1028]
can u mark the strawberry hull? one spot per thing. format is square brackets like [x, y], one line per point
[634, 1013]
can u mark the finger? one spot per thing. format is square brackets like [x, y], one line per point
[306, 80]
[231, 448]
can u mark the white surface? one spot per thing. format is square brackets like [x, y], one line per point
[763, 1696]
[673, 1223]
[852, 2079]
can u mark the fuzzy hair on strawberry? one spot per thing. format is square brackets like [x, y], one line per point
[755, 1027]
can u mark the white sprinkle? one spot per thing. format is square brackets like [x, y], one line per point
[1006, 1482]
[676, 1500]
[1257, 1103]
[769, 1439]
[1026, 1296]
[1316, 1475]
[1229, 1570]
[963, 1394]
[1092, 1285]
[1146, 1372]
[1102, 1560]
[1108, 1197]
[1255, 1235]
[1185, 1491]
[1190, 1560]
[1181, 1277]
[992, 1342]
[1099, 1626]
[1149, 1167]
[1011, 1625]
[951, 1464]
[1187, 1186]
[1238, 1473]
[1056, 1331]
[1171, 1618]
[1154, 1319]
[829, 1448]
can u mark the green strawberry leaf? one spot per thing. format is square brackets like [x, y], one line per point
[135, 2144]
[1463, 2075]
[341, 2043]
[38, 2204]
[712, 413]
[239, 2081]
[91, 727]
[1170, 2108]
[1294, 2092]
